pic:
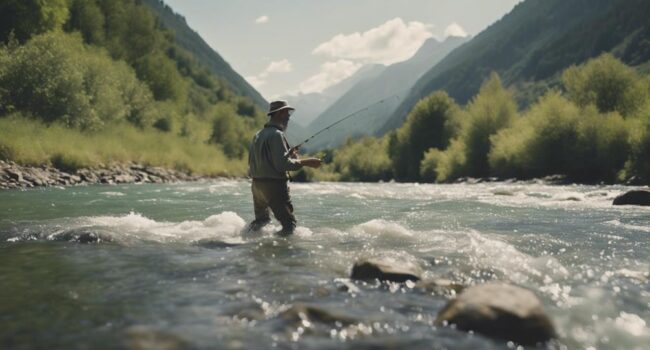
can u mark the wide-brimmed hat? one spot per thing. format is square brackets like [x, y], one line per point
[278, 106]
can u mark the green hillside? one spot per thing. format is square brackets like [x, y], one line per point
[191, 41]
[91, 72]
[531, 45]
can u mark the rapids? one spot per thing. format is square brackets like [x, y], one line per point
[168, 264]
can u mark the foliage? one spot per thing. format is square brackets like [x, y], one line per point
[584, 139]
[363, 160]
[114, 62]
[54, 76]
[25, 18]
[31, 142]
[606, 83]
[490, 111]
[540, 142]
[429, 125]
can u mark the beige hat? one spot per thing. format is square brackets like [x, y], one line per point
[278, 106]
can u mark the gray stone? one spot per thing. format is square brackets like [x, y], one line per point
[374, 269]
[299, 313]
[14, 174]
[123, 178]
[635, 197]
[500, 311]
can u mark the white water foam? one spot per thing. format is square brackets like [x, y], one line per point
[628, 226]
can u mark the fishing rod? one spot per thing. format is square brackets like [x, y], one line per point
[294, 148]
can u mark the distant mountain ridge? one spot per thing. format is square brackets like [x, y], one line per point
[190, 40]
[394, 79]
[310, 106]
[532, 44]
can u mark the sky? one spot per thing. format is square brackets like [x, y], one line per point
[289, 47]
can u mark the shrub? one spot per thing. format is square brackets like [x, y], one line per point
[363, 160]
[28, 17]
[428, 125]
[540, 143]
[558, 137]
[607, 83]
[55, 76]
[491, 110]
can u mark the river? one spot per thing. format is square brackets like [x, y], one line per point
[171, 268]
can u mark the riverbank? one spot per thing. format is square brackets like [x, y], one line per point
[13, 175]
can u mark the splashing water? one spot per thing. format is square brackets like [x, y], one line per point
[173, 264]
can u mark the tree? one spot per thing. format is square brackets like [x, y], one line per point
[26, 18]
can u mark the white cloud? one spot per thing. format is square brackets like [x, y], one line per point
[275, 67]
[391, 42]
[262, 19]
[255, 81]
[282, 66]
[455, 29]
[330, 73]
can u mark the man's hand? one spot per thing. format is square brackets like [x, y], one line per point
[311, 162]
[294, 151]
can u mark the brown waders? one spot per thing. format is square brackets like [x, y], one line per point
[274, 194]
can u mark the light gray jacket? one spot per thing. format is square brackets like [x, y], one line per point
[267, 155]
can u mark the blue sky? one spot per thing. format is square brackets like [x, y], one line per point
[286, 47]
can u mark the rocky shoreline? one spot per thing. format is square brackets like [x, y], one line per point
[14, 176]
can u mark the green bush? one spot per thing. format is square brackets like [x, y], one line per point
[490, 111]
[607, 83]
[55, 76]
[25, 18]
[540, 143]
[558, 137]
[429, 125]
[363, 160]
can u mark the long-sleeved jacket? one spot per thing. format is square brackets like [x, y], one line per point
[267, 156]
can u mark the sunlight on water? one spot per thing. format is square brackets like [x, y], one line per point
[174, 263]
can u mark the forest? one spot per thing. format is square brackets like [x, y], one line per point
[85, 83]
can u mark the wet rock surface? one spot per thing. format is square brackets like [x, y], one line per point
[635, 197]
[385, 271]
[499, 311]
[13, 175]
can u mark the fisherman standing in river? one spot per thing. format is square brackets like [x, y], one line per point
[269, 159]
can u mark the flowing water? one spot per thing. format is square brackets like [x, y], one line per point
[166, 266]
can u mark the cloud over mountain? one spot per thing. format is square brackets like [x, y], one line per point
[392, 41]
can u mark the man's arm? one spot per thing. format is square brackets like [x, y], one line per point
[282, 158]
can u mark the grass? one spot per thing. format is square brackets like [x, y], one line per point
[30, 142]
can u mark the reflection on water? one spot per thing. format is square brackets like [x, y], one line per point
[153, 266]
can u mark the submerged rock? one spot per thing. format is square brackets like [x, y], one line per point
[440, 286]
[372, 269]
[83, 236]
[145, 337]
[300, 313]
[500, 311]
[635, 197]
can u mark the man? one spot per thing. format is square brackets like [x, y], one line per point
[269, 160]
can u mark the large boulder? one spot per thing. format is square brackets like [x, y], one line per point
[385, 271]
[500, 311]
[635, 197]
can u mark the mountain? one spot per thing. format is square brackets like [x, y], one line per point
[395, 79]
[310, 106]
[191, 41]
[532, 44]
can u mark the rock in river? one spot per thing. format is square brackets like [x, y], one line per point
[385, 271]
[500, 311]
[635, 197]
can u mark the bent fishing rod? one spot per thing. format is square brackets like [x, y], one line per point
[296, 147]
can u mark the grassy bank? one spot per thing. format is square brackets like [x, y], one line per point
[31, 142]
